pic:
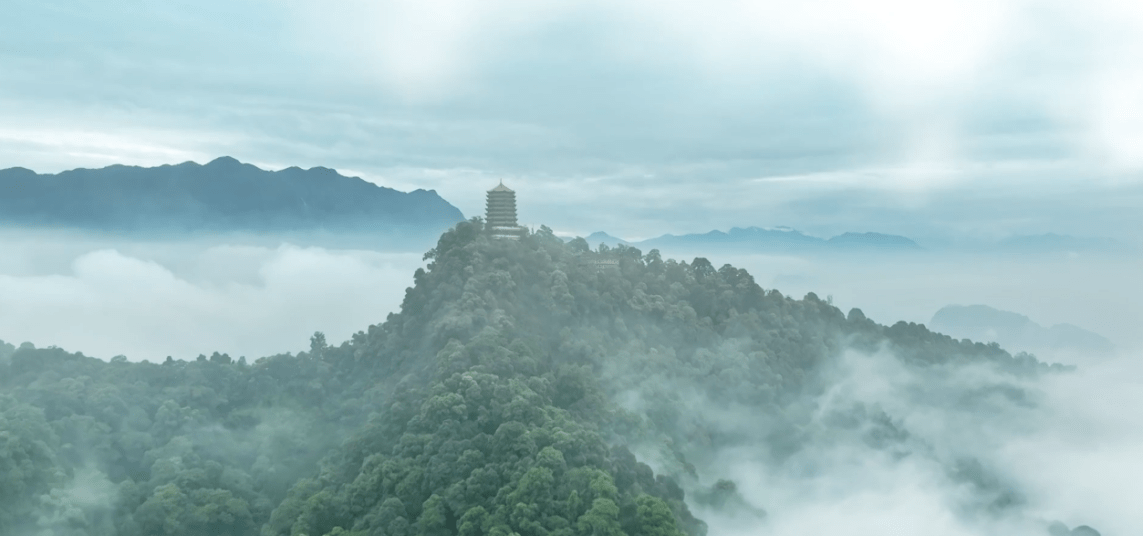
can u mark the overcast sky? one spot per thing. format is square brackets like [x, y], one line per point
[931, 119]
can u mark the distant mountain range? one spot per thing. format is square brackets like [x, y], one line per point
[227, 196]
[781, 239]
[223, 195]
[787, 240]
[1017, 332]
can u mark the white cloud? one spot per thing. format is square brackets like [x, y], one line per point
[882, 40]
[52, 150]
[245, 300]
[424, 52]
[1116, 120]
[1070, 454]
[1082, 461]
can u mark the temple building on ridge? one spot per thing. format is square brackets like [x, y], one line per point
[500, 217]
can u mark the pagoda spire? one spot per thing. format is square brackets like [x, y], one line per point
[500, 215]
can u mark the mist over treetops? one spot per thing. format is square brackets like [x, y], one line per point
[522, 388]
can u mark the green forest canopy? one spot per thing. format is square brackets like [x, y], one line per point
[487, 406]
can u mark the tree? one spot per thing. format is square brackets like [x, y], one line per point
[318, 345]
[28, 461]
[654, 517]
[434, 520]
[601, 520]
[579, 245]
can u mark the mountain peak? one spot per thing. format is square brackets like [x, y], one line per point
[224, 161]
[19, 171]
[600, 237]
[877, 240]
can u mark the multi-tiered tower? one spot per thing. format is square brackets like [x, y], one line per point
[500, 219]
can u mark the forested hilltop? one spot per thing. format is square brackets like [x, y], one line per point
[508, 396]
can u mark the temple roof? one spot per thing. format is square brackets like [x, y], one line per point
[500, 188]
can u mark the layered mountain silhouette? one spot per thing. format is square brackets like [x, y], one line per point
[600, 237]
[1018, 332]
[780, 239]
[223, 195]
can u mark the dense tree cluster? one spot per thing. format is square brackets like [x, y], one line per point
[502, 399]
[202, 447]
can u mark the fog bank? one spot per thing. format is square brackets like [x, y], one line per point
[151, 300]
[971, 452]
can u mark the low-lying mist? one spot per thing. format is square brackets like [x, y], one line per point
[892, 448]
[148, 300]
[966, 452]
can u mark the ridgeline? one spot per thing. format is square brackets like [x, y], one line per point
[224, 195]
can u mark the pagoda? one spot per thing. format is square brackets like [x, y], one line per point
[500, 217]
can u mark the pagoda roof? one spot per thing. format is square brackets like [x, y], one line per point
[500, 188]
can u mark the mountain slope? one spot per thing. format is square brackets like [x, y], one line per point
[521, 389]
[223, 195]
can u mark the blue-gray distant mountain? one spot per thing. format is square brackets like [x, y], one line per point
[223, 195]
[1017, 332]
[757, 239]
[600, 237]
[781, 238]
[874, 241]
